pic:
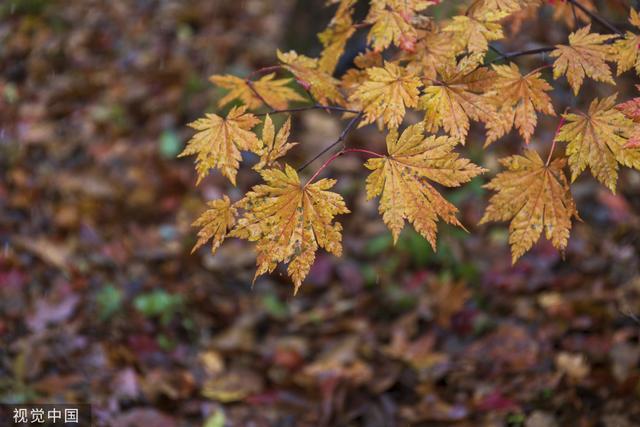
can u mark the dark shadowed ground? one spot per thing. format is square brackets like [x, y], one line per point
[101, 301]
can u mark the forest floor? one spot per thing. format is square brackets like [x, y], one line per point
[102, 302]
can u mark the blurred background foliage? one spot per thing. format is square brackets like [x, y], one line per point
[101, 301]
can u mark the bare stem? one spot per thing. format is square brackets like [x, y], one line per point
[360, 150]
[324, 165]
[255, 91]
[338, 154]
[596, 18]
[555, 137]
[496, 50]
[340, 139]
[263, 70]
[537, 70]
[522, 53]
[310, 107]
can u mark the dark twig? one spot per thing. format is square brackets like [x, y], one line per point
[338, 154]
[516, 54]
[263, 70]
[575, 15]
[310, 107]
[496, 50]
[596, 17]
[340, 139]
[555, 137]
[255, 91]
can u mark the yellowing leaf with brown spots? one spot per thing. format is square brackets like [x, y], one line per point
[335, 36]
[215, 222]
[273, 146]
[386, 93]
[597, 139]
[585, 56]
[520, 97]
[626, 51]
[477, 31]
[401, 179]
[312, 77]
[289, 221]
[218, 142]
[274, 91]
[534, 197]
[456, 98]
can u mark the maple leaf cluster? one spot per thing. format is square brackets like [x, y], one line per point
[441, 69]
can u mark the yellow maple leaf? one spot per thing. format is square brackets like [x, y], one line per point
[519, 97]
[596, 139]
[535, 197]
[434, 49]
[308, 73]
[218, 142]
[273, 146]
[391, 21]
[626, 50]
[407, 7]
[290, 221]
[274, 91]
[355, 77]
[388, 27]
[584, 56]
[458, 97]
[402, 180]
[481, 7]
[215, 222]
[386, 93]
[335, 36]
[475, 32]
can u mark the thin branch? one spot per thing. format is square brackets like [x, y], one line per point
[596, 17]
[256, 93]
[496, 50]
[360, 150]
[264, 70]
[362, 25]
[338, 154]
[340, 139]
[324, 165]
[537, 70]
[310, 107]
[249, 81]
[555, 137]
[516, 54]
